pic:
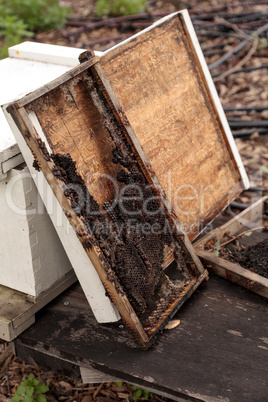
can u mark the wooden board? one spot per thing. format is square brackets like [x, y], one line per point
[10, 155]
[92, 160]
[28, 66]
[17, 309]
[250, 218]
[163, 85]
[219, 352]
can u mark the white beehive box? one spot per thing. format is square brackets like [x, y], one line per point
[31, 255]
[34, 267]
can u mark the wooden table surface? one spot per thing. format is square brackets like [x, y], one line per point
[219, 352]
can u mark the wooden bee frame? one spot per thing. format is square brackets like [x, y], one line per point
[75, 128]
[234, 272]
[163, 84]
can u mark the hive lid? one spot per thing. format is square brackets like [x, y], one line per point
[163, 84]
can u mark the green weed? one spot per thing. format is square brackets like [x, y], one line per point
[30, 390]
[22, 18]
[119, 7]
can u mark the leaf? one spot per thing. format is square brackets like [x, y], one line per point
[21, 388]
[40, 398]
[119, 384]
[137, 394]
[36, 382]
[30, 377]
[264, 169]
[218, 249]
[248, 234]
[28, 399]
[173, 324]
[147, 394]
[217, 245]
[29, 391]
[41, 388]
[16, 398]
[216, 253]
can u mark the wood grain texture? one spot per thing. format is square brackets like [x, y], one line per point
[74, 125]
[18, 309]
[235, 273]
[246, 220]
[218, 353]
[159, 84]
[238, 223]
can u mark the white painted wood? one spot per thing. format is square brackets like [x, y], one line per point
[103, 309]
[30, 259]
[11, 163]
[29, 66]
[45, 53]
[251, 217]
[53, 54]
[8, 147]
[15, 253]
[17, 309]
[25, 76]
[92, 376]
[7, 139]
[36, 124]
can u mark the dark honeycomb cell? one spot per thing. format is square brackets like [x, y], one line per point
[132, 232]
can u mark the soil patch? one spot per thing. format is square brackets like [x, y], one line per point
[255, 258]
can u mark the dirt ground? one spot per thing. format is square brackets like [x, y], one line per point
[241, 81]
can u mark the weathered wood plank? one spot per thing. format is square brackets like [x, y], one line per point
[246, 220]
[17, 309]
[234, 225]
[223, 330]
[56, 82]
[235, 273]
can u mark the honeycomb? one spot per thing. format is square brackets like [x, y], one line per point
[135, 256]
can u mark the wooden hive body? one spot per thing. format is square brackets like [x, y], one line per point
[30, 260]
[253, 222]
[25, 263]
